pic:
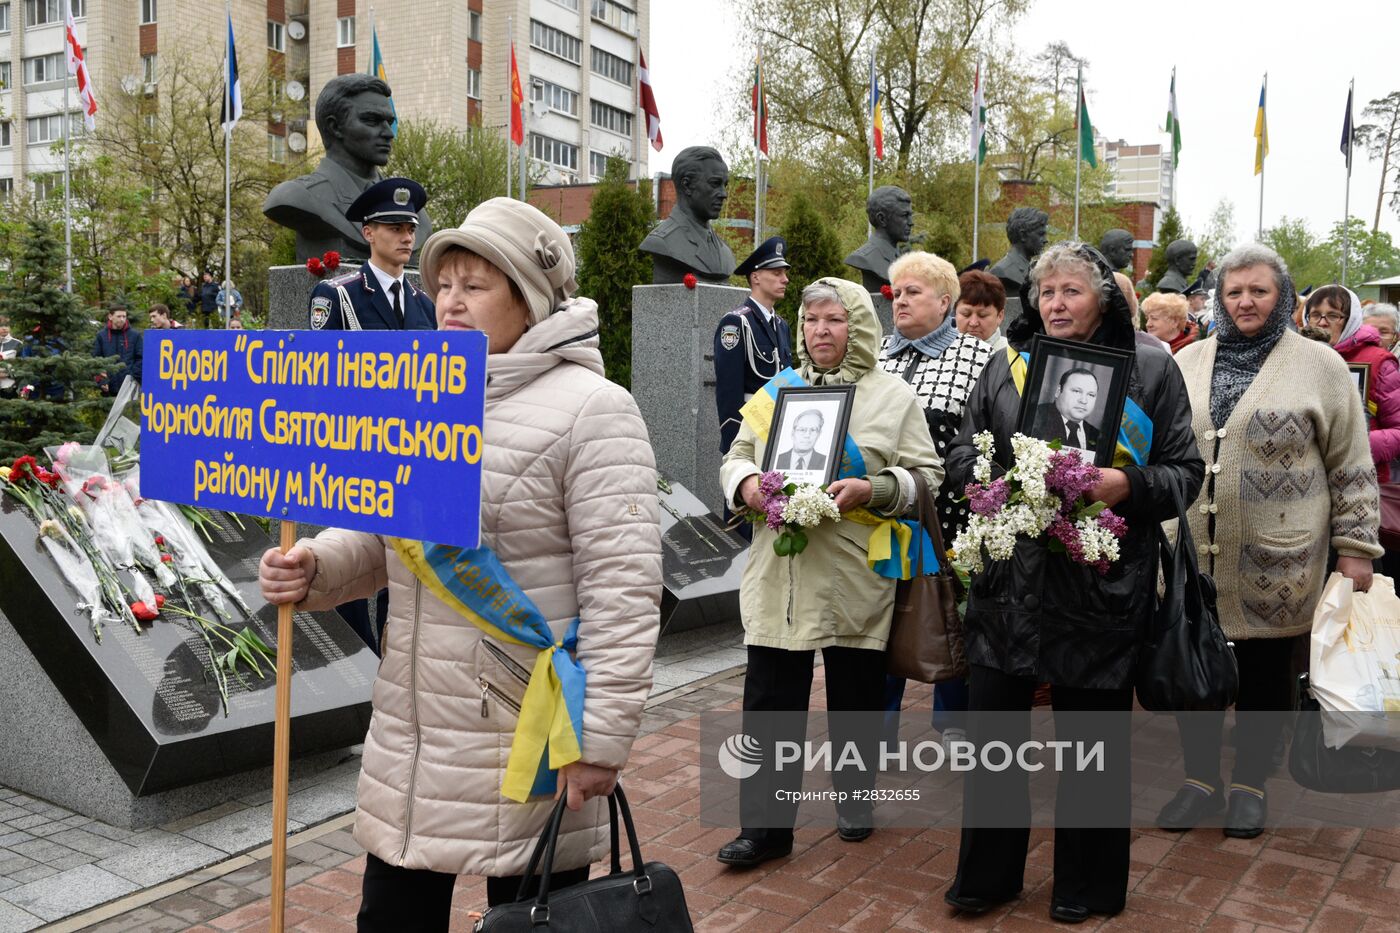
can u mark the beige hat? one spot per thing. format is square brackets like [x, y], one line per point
[520, 240]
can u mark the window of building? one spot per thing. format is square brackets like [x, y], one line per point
[611, 66]
[570, 4]
[474, 25]
[276, 87]
[7, 187]
[556, 98]
[597, 164]
[5, 140]
[276, 36]
[148, 11]
[47, 186]
[615, 15]
[554, 151]
[5, 75]
[551, 40]
[5, 27]
[150, 126]
[148, 69]
[79, 8]
[276, 148]
[474, 84]
[611, 118]
[345, 32]
[43, 12]
[45, 129]
[44, 68]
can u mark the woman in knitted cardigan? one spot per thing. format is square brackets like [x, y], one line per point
[1288, 472]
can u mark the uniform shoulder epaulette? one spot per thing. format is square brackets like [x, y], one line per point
[345, 278]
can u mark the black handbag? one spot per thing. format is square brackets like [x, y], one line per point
[647, 898]
[1186, 664]
[926, 632]
[1346, 770]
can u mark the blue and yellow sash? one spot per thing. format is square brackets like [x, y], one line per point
[1134, 430]
[549, 733]
[888, 550]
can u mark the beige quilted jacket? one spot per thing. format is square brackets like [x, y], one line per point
[569, 506]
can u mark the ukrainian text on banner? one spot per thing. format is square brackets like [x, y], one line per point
[373, 431]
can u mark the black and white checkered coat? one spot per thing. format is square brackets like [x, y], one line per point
[942, 386]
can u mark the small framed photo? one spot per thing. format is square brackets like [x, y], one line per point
[1074, 394]
[808, 433]
[1361, 375]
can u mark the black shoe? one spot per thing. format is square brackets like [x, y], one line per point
[973, 905]
[746, 853]
[854, 830]
[1246, 815]
[1065, 912]
[1190, 805]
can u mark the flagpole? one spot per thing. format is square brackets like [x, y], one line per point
[1263, 156]
[1079, 143]
[976, 157]
[67, 192]
[758, 145]
[228, 218]
[510, 32]
[1346, 210]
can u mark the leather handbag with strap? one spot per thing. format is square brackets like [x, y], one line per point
[926, 633]
[1187, 664]
[1351, 769]
[647, 898]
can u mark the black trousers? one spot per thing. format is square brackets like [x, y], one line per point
[1266, 683]
[781, 680]
[1091, 864]
[416, 900]
[357, 615]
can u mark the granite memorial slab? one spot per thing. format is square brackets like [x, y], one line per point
[145, 699]
[702, 563]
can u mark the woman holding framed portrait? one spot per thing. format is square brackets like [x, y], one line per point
[1038, 617]
[826, 597]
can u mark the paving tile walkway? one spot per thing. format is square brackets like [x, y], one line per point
[1332, 880]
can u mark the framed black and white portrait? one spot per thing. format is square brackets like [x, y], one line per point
[808, 433]
[1361, 377]
[1074, 394]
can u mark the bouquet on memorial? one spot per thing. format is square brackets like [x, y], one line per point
[790, 509]
[1043, 494]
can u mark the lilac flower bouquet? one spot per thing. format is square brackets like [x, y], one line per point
[789, 508]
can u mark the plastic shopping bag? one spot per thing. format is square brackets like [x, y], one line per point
[1355, 668]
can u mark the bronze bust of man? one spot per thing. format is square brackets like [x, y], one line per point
[1117, 247]
[356, 122]
[685, 242]
[1026, 229]
[891, 214]
[1181, 262]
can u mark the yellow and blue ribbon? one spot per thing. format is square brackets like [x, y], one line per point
[549, 733]
[1134, 429]
[888, 550]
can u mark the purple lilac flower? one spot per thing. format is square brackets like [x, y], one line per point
[1063, 530]
[771, 483]
[988, 500]
[1070, 476]
[1114, 524]
[773, 512]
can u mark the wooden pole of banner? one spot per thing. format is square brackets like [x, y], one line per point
[281, 747]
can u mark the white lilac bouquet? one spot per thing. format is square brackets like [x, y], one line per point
[788, 508]
[1042, 494]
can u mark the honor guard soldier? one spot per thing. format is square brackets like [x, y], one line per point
[377, 296]
[752, 343]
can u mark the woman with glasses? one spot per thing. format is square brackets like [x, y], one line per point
[1337, 310]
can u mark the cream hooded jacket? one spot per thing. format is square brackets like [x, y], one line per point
[828, 595]
[569, 506]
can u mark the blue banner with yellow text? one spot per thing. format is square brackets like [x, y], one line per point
[374, 431]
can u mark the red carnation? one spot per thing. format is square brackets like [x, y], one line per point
[160, 601]
[690, 280]
[143, 612]
[331, 260]
[314, 266]
[887, 292]
[23, 469]
[160, 541]
[166, 558]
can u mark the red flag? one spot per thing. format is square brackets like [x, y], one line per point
[760, 106]
[648, 100]
[517, 103]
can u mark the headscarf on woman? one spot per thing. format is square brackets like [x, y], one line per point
[1238, 358]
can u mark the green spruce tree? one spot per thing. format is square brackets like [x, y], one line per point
[813, 250]
[1171, 230]
[55, 398]
[610, 262]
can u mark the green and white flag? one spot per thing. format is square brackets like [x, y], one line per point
[1174, 123]
[978, 149]
[1086, 129]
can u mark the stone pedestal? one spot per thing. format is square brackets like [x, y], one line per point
[289, 294]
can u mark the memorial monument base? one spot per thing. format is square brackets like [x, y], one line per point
[50, 754]
[289, 293]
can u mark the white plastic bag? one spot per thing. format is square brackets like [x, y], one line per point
[1355, 667]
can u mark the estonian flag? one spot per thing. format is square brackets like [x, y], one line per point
[233, 95]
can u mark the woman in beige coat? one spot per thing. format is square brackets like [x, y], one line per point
[826, 597]
[569, 507]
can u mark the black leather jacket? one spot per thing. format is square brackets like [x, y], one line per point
[1038, 614]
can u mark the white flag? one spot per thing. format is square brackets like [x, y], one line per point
[78, 67]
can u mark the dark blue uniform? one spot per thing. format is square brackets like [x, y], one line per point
[370, 306]
[749, 351]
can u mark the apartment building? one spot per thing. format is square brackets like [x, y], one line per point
[1140, 173]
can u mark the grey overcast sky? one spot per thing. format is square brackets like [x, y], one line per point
[1220, 48]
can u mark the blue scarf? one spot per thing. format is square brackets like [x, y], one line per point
[931, 344]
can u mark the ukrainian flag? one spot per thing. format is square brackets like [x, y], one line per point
[877, 113]
[376, 68]
[1261, 133]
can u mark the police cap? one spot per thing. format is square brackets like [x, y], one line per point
[391, 201]
[769, 255]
